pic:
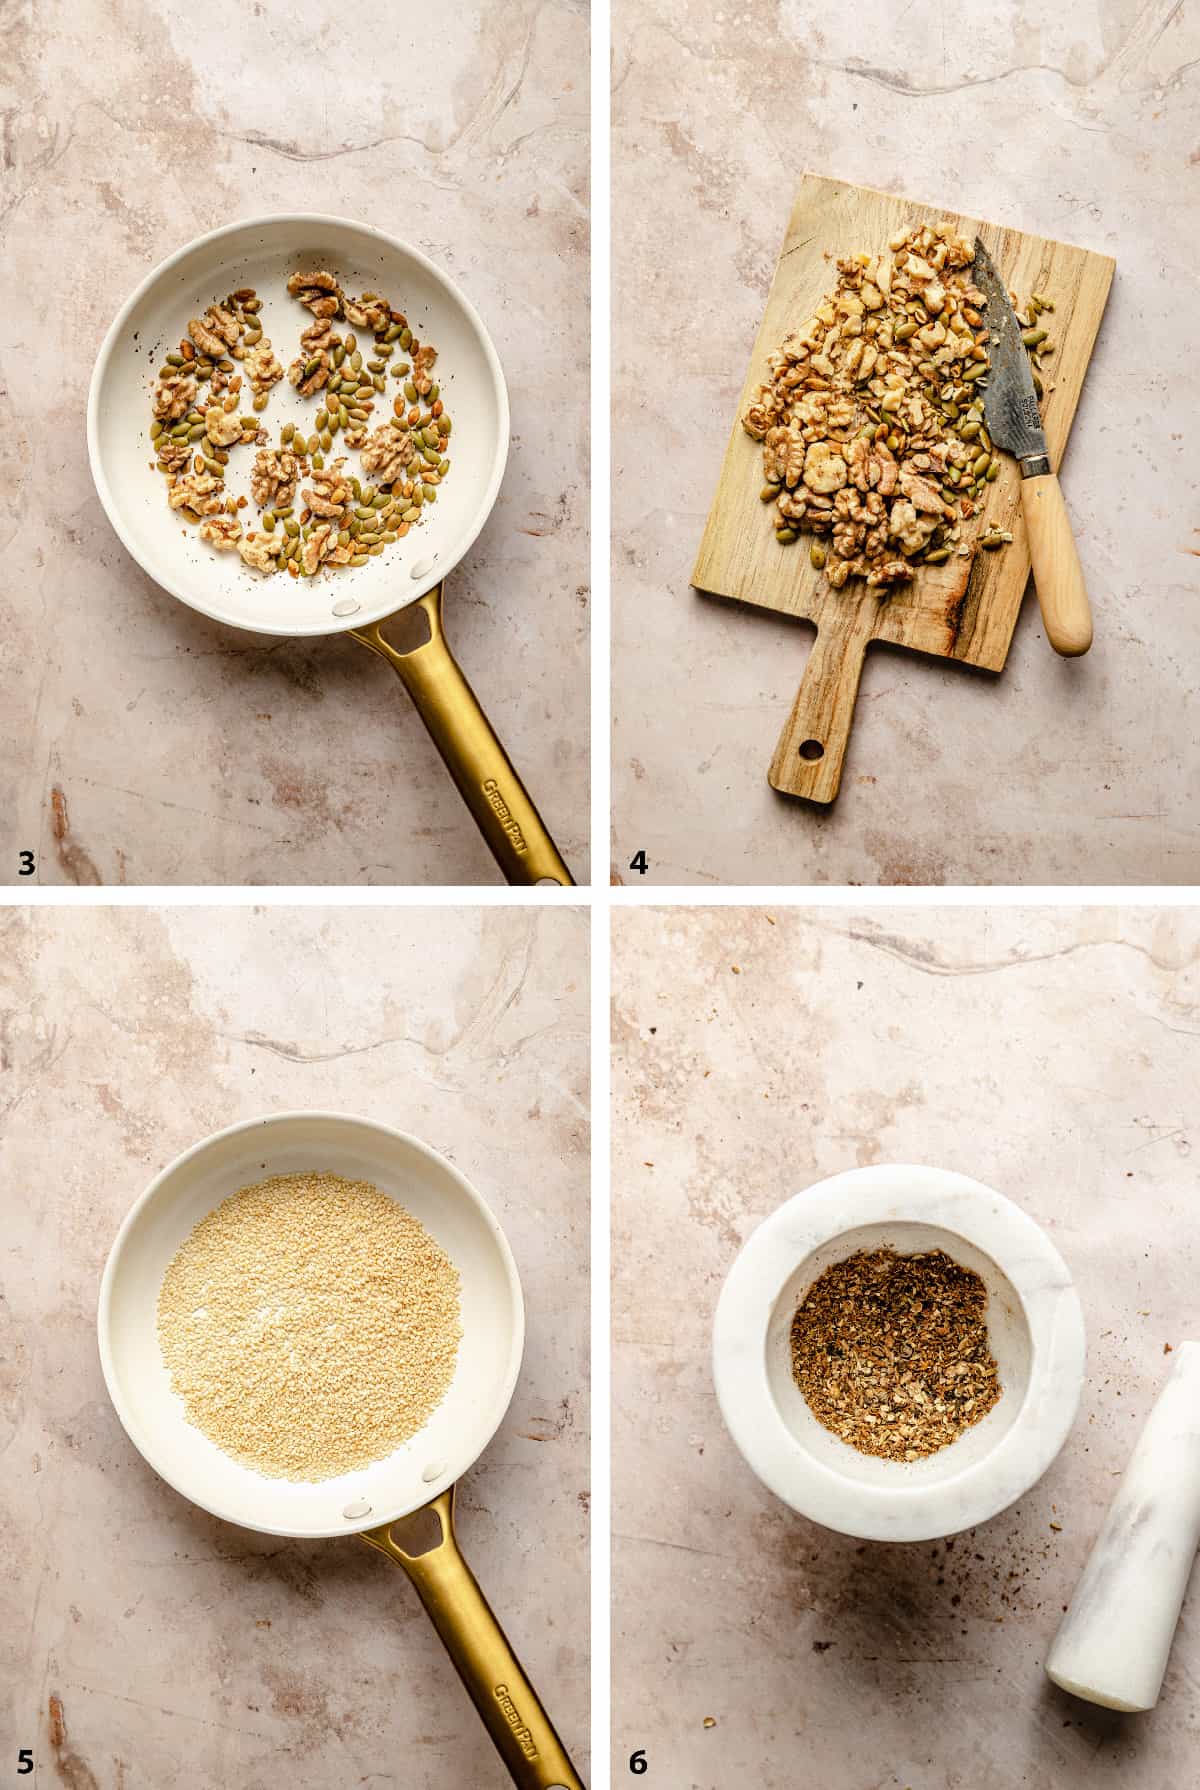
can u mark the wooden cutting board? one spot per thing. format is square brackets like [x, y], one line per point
[966, 609]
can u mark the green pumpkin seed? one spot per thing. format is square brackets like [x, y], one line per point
[816, 557]
[406, 338]
[785, 536]
[993, 471]
[989, 543]
[358, 559]
[1031, 337]
[412, 514]
[980, 465]
[433, 393]
[260, 402]
[390, 535]
[443, 468]
[213, 466]
[174, 360]
[392, 332]
[281, 511]
[320, 420]
[768, 494]
[365, 513]
[939, 558]
[156, 429]
[286, 433]
[351, 344]
[319, 462]
[292, 527]
[268, 521]
[356, 361]
[312, 366]
[968, 431]
[376, 366]
[410, 391]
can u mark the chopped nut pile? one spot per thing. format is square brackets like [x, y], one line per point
[891, 1352]
[872, 419]
[342, 521]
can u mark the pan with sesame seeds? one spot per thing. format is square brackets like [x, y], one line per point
[222, 1251]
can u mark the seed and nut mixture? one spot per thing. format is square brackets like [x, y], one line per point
[891, 1352]
[342, 521]
[872, 420]
[310, 1325]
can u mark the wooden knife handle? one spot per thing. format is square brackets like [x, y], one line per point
[808, 758]
[1057, 572]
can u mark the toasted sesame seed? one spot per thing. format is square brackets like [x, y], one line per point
[310, 1325]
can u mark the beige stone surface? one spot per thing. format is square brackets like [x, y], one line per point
[1077, 123]
[1052, 1053]
[186, 1651]
[186, 752]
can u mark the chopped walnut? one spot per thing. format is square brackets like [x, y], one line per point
[223, 531]
[224, 426]
[319, 545]
[202, 492]
[172, 397]
[824, 468]
[331, 495]
[309, 372]
[318, 292]
[273, 481]
[216, 332]
[263, 368]
[422, 366]
[173, 454]
[386, 453]
[368, 312]
[260, 551]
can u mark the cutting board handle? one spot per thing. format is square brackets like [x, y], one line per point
[808, 758]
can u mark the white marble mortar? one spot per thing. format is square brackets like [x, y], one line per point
[1035, 1326]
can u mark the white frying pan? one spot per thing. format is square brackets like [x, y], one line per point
[263, 253]
[404, 1505]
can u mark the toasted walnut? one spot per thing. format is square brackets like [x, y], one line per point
[223, 531]
[263, 368]
[173, 454]
[368, 312]
[224, 426]
[824, 468]
[310, 372]
[319, 545]
[172, 396]
[912, 531]
[386, 453]
[273, 481]
[202, 492]
[260, 551]
[216, 332]
[318, 292]
[330, 496]
[920, 493]
[423, 358]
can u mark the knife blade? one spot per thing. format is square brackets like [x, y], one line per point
[1014, 423]
[1010, 404]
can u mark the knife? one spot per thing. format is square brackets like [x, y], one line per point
[1014, 423]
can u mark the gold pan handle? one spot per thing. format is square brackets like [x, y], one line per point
[462, 733]
[507, 1702]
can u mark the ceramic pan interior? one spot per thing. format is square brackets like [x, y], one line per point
[263, 253]
[428, 1187]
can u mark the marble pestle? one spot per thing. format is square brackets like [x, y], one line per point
[1113, 1643]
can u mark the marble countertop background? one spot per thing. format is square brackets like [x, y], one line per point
[184, 1650]
[141, 742]
[1052, 1053]
[1079, 123]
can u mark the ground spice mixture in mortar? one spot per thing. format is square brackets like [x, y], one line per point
[891, 1352]
[310, 1325]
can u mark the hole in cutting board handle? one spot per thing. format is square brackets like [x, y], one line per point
[812, 750]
